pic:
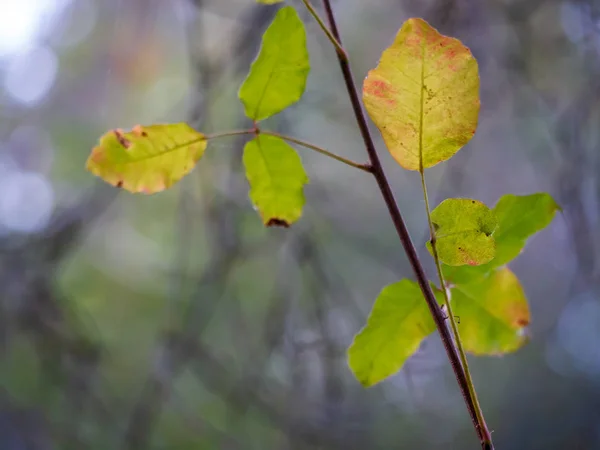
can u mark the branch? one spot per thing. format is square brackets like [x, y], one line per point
[403, 234]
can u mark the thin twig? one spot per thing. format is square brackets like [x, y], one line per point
[364, 167]
[403, 234]
[332, 38]
[208, 137]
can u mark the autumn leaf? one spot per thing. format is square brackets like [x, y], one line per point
[423, 96]
[147, 159]
[519, 217]
[463, 230]
[398, 323]
[493, 313]
[277, 77]
[277, 178]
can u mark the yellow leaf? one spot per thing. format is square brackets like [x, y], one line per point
[493, 313]
[423, 96]
[147, 159]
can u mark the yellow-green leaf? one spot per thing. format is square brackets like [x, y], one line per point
[493, 313]
[277, 178]
[519, 217]
[147, 159]
[423, 96]
[398, 323]
[463, 230]
[277, 77]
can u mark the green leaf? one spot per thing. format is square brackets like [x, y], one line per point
[277, 177]
[493, 313]
[147, 159]
[277, 77]
[423, 96]
[519, 217]
[398, 323]
[463, 233]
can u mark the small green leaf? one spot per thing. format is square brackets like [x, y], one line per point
[277, 78]
[464, 230]
[519, 217]
[423, 96]
[277, 177]
[493, 313]
[147, 159]
[398, 323]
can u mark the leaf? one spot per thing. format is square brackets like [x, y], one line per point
[493, 313]
[398, 323]
[277, 177]
[464, 230]
[519, 217]
[277, 77]
[147, 159]
[423, 96]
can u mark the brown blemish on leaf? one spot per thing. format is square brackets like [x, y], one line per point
[139, 131]
[522, 321]
[379, 88]
[97, 155]
[119, 184]
[121, 138]
[275, 222]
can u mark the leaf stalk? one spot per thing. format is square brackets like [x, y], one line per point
[208, 137]
[363, 167]
[336, 43]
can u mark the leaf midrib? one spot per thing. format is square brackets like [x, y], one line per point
[170, 150]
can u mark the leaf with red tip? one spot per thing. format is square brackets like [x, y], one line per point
[493, 313]
[423, 96]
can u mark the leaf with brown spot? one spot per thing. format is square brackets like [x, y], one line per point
[277, 178]
[147, 159]
[463, 229]
[423, 96]
[519, 217]
[493, 313]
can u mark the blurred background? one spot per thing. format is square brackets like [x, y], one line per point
[177, 321]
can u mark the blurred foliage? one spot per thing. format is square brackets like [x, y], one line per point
[176, 321]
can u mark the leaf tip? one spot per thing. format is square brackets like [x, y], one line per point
[277, 222]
